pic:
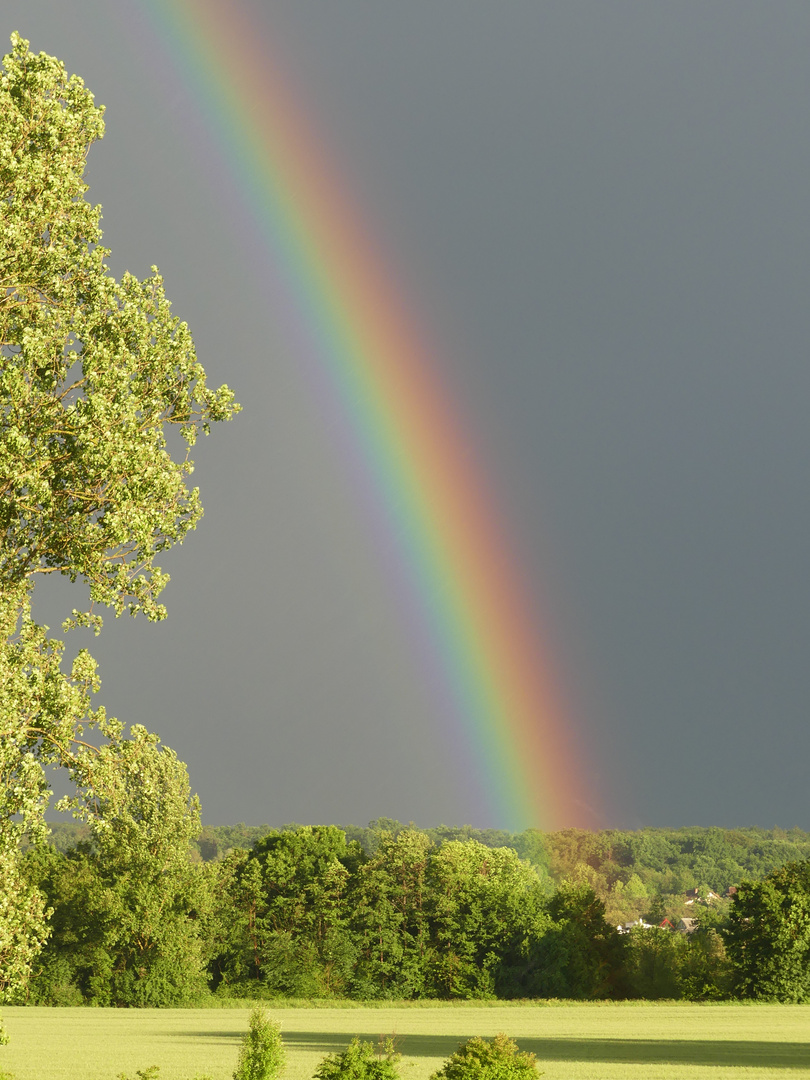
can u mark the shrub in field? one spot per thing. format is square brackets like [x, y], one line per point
[261, 1056]
[360, 1061]
[478, 1059]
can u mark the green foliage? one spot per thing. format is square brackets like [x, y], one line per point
[622, 867]
[632, 871]
[390, 919]
[261, 1055]
[307, 914]
[217, 841]
[486, 908]
[581, 955]
[482, 1059]
[39, 713]
[768, 938]
[282, 917]
[124, 931]
[653, 962]
[23, 929]
[360, 1061]
[94, 373]
[705, 973]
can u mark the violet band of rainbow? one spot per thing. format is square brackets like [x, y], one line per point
[418, 458]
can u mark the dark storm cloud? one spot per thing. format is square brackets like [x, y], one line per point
[602, 209]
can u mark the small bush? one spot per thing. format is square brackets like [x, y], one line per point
[360, 1061]
[261, 1056]
[499, 1059]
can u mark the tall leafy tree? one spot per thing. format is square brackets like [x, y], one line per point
[304, 882]
[486, 908]
[654, 959]
[581, 955]
[389, 902]
[768, 938]
[94, 374]
[282, 920]
[126, 909]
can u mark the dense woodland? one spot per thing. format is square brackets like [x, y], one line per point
[630, 872]
[392, 911]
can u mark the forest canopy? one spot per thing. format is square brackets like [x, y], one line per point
[392, 911]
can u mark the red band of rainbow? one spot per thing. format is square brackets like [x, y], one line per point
[418, 457]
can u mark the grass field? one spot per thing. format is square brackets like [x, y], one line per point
[571, 1041]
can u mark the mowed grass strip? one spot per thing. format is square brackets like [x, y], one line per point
[572, 1041]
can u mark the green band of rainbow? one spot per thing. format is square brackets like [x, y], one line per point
[413, 448]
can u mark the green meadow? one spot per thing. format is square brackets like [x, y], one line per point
[572, 1041]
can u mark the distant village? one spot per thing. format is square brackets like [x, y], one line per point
[687, 924]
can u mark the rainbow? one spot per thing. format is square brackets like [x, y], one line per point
[453, 564]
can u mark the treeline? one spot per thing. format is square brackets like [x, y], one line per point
[394, 912]
[628, 870]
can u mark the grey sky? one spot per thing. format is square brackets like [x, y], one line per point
[601, 209]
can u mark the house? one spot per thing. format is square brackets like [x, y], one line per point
[625, 928]
[693, 897]
[687, 926]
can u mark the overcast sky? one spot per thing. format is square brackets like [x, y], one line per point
[600, 209]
